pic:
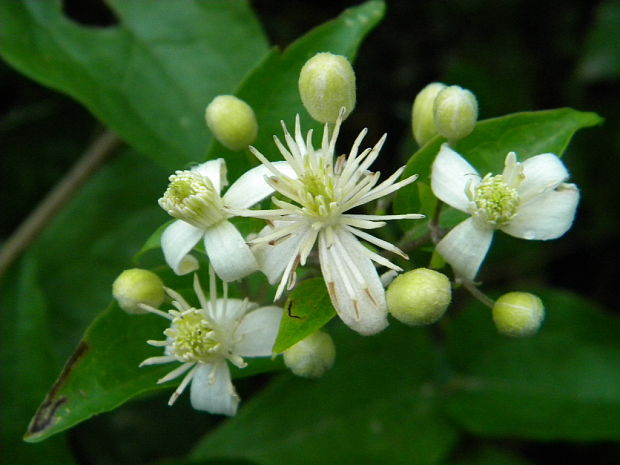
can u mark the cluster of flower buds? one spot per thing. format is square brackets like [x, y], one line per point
[449, 111]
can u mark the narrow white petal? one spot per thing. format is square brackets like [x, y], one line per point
[257, 332]
[252, 187]
[378, 242]
[272, 259]
[158, 360]
[215, 170]
[178, 371]
[212, 391]
[228, 253]
[353, 284]
[176, 242]
[181, 387]
[465, 247]
[450, 175]
[546, 216]
[542, 173]
[228, 311]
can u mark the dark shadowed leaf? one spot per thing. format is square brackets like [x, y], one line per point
[562, 383]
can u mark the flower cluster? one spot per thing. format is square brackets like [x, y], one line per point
[322, 212]
[204, 339]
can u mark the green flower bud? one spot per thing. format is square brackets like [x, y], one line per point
[423, 115]
[326, 84]
[456, 112]
[311, 357]
[419, 297]
[518, 314]
[138, 286]
[232, 122]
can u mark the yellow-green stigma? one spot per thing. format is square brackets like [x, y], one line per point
[192, 337]
[192, 197]
[495, 202]
[319, 192]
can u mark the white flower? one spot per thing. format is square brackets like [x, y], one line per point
[204, 338]
[324, 190]
[194, 198]
[528, 200]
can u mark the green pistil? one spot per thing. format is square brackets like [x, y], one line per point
[192, 337]
[495, 201]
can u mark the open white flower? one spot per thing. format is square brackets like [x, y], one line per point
[324, 190]
[529, 200]
[204, 339]
[193, 197]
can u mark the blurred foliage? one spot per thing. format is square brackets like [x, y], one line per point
[516, 55]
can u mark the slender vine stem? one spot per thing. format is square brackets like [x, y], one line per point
[477, 293]
[93, 157]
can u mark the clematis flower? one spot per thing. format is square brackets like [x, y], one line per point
[205, 339]
[193, 196]
[529, 200]
[321, 195]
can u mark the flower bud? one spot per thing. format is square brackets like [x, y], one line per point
[232, 122]
[138, 286]
[419, 297]
[326, 84]
[456, 112]
[311, 357]
[518, 314]
[423, 115]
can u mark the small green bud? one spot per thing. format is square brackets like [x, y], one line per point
[419, 297]
[423, 114]
[138, 286]
[311, 357]
[518, 314]
[326, 84]
[232, 122]
[456, 112]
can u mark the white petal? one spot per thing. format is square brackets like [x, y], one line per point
[257, 332]
[272, 259]
[450, 176]
[465, 247]
[542, 172]
[251, 187]
[353, 283]
[227, 311]
[546, 216]
[212, 390]
[176, 242]
[215, 170]
[228, 253]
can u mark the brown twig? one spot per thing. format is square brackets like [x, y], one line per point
[101, 148]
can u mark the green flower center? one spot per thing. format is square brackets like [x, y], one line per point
[319, 193]
[192, 197]
[193, 340]
[495, 202]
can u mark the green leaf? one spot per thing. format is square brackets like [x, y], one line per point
[527, 134]
[150, 77]
[562, 383]
[307, 309]
[102, 373]
[376, 405]
[27, 363]
[271, 89]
